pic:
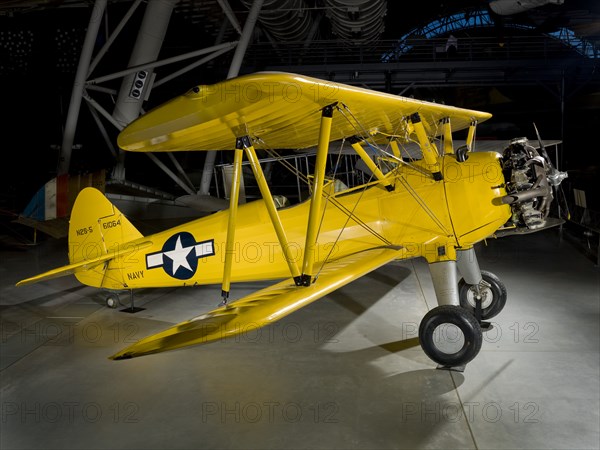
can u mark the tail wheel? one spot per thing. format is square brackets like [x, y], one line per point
[450, 335]
[492, 294]
[112, 300]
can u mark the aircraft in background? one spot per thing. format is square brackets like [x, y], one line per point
[510, 7]
[436, 205]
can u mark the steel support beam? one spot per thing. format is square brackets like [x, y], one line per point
[154, 64]
[230, 15]
[66, 148]
[170, 173]
[103, 132]
[226, 47]
[180, 169]
[113, 36]
[240, 51]
[146, 49]
[234, 70]
[102, 111]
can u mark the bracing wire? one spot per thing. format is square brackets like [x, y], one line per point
[350, 214]
[334, 178]
[404, 182]
[332, 199]
[343, 228]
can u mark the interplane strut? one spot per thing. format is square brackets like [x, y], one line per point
[312, 230]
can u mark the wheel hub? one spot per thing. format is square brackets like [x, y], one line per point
[485, 294]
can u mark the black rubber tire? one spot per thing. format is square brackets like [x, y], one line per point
[112, 301]
[491, 307]
[465, 321]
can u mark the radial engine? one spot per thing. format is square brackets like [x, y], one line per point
[530, 178]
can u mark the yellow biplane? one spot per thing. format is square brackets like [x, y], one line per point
[436, 206]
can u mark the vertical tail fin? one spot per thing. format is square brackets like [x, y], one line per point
[96, 228]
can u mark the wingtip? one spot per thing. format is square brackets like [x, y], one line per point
[24, 282]
[120, 356]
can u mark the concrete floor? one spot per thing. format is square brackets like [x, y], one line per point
[343, 373]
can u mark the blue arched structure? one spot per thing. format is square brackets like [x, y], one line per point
[482, 19]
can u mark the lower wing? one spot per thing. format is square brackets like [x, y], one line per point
[262, 307]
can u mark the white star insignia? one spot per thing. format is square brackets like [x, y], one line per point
[179, 256]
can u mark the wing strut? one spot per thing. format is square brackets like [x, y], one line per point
[471, 134]
[271, 208]
[395, 148]
[447, 130]
[234, 196]
[312, 230]
[429, 154]
[355, 142]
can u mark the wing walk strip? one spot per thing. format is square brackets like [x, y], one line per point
[262, 307]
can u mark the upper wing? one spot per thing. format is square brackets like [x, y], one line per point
[262, 307]
[280, 110]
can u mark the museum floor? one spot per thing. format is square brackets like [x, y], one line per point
[343, 373]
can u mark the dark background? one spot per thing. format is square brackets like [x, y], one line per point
[39, 51]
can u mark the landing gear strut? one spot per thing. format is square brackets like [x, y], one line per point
[452, 333]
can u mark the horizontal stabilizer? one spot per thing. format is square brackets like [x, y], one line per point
[85, 265]
[262, 307]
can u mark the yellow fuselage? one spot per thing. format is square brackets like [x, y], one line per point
[428, 218]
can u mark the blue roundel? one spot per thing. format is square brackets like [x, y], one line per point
[179, 256]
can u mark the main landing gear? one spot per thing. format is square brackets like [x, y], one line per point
[489, 296]
[451, 334]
